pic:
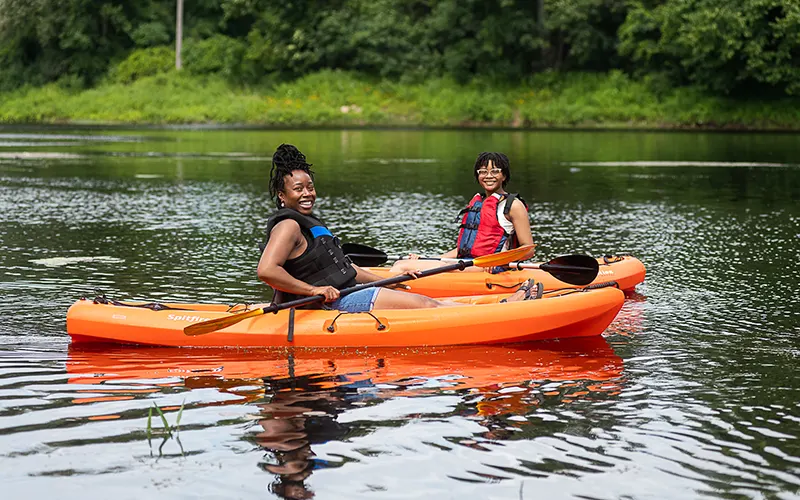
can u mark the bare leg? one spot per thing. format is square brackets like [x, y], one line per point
[393, 299]
[404, 265]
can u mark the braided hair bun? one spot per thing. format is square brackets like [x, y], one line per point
[286, 159]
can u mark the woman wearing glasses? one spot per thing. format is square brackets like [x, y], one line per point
[493, 221]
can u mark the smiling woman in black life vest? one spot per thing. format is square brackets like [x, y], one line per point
[301, 257]
[492, 222]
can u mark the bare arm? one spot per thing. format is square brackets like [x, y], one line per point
[287, 241]
[518, 216]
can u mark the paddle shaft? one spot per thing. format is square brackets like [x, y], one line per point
[514, 265]
[523, 252]
[458, 266]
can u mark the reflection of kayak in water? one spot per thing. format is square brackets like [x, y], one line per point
[460, 367]
[339, 396]
[486, 321]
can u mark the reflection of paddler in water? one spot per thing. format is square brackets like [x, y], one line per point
[588, 369]
[298, 414]
[497, 403]
[302, 411]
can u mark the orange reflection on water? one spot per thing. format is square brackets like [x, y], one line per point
[298, 393]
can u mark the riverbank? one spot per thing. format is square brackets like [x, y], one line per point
[333, 98]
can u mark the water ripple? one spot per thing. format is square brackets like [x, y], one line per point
[691, 395]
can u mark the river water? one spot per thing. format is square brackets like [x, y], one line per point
[692, 392]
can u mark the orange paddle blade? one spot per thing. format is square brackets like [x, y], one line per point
[218, 324]
[498, 259]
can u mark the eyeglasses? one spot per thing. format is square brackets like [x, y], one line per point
[484, 172]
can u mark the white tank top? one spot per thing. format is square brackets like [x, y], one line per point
[506, 224]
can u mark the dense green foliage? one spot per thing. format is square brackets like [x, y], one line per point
[722, 46]
[336, 98]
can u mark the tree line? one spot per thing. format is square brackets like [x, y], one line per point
[723, 46]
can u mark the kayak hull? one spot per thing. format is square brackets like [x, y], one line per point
[627, 271]
[483, 321]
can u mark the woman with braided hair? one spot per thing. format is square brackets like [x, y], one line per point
[492, 222]
[301, 257]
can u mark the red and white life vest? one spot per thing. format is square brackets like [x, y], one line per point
[480, 232]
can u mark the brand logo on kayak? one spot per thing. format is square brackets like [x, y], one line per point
[183, 317]
[605, 273]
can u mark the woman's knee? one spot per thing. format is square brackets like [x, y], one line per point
[413, 265]
[401, 266]
[424, 302]
[416, 265]
[392, 299]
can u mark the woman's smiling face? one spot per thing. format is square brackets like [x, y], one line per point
[298, 192]
[491, 178]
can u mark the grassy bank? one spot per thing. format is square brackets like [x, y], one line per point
[341, 99]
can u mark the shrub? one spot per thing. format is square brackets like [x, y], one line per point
[218, 54]
[143, 62]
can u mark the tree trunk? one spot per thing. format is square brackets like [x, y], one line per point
[179, 35]
[540, 14]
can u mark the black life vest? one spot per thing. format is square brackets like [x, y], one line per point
[322, 264]
[480, 232]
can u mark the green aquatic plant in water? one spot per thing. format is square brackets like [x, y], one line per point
[168, 430]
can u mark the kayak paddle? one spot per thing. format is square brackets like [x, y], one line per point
[496, 259]
[573, 269]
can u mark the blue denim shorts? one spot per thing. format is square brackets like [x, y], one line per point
[356, 302]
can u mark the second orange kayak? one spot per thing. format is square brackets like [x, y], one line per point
[626, 270]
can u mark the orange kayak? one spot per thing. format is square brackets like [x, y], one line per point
[627, 271]
[483, 320]
[460, 367]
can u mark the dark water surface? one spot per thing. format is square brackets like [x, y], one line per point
[692, 393]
